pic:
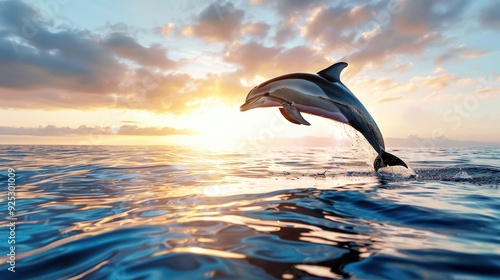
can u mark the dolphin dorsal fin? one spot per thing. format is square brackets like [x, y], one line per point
[332, 73]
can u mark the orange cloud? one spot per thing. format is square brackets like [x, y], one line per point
[81, 69]
[255, 59]
[389, 99]
[435, 82]
[168, 29]
[51, 130]
[255, 29]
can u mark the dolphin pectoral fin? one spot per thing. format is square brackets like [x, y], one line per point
[387, 160]
[292, 114]
[288, 117]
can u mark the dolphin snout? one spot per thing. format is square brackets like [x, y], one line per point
[248, 104]
[251, 101]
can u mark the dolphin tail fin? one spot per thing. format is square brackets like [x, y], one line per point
[387, 159]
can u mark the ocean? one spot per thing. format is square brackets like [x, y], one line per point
[159, 212]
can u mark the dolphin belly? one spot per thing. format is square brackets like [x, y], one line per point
[335, 115]
[314, 103]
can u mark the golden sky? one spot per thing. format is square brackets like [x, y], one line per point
[151, 72]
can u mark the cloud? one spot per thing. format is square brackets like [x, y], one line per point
[436, 142]
[32, 56]
[42, 65]
[50, 66]
[224, 23]
[292, 16]
[256, 2]
[51, 130]
[459, 52]
[376, 32]
[420, 17]
[388, 89]
[255, 29]
[389, 99]
[127, 47]
[154, 91]
[382, 86]
[401, 67]
[178, 92]
[490, 16]
[218, 22]
[288, 8]
[168, 29]
[438, 82]
[441, 81]
[53, 99]
[214, 89]
[432, 95]
[150, 131]
[254, 59]
[74, 65]
[336, 27]
[287, 31]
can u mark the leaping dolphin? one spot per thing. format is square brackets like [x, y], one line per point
[324, 95]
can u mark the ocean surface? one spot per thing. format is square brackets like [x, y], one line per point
[153, 212]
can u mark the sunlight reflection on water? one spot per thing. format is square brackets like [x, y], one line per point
[156, 212]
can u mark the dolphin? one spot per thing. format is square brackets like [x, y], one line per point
[324, 95]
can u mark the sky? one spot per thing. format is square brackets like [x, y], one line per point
[176, 72]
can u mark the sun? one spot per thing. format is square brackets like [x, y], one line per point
[217, 126]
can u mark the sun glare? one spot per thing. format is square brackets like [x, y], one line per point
[218, 127]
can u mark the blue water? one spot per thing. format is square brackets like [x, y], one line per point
[178, 213]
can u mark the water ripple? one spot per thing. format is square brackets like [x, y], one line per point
[177, 213]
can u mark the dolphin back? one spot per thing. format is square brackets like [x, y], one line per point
[387, 159]
[350, 106]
